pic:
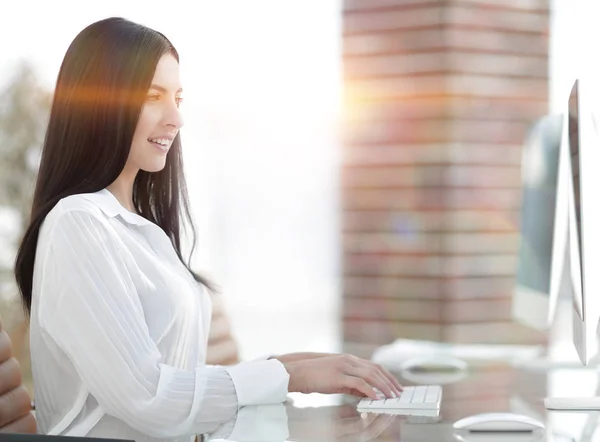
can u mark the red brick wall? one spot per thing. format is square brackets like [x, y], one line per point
[438, 98]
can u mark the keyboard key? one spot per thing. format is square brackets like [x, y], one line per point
[419, 395]
[406, 395]
[433, 392]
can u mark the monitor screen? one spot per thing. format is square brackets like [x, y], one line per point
[532, 300]
[539, 177]
[574, 137]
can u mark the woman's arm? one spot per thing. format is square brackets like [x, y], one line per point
[90, 309]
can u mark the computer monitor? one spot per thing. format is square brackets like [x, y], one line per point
[532, 302]
[579, 182]
[580, 165]
[560, 236]
[560, 225]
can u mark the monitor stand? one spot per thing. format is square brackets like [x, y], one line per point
[589, 403]
[547, 364]
[564, 329]
[572, 403]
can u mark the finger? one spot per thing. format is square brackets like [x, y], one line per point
[374, 378]
[23, 425]
[358, 384]
[10, 375]
[13, 405]
[353, 392]
[393, 382]
[393, 379]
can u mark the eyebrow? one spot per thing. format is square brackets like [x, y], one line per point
[164, 90]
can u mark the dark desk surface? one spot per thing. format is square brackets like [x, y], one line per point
[491, 388]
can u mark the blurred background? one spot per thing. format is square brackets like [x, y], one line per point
[354, 166]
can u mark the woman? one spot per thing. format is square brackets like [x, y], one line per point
[119, 322]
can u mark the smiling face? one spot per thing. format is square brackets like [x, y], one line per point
[160, 119]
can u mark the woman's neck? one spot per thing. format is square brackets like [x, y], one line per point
[122, 189]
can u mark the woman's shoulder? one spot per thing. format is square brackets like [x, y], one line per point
[75, 207]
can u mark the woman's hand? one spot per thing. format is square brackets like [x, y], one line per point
[341, 374]
[15, 403]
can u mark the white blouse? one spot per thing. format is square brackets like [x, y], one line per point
[119, 330]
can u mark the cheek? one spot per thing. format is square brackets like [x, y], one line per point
[146, 124]
[144, 129]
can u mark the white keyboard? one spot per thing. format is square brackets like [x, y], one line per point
[422, 397]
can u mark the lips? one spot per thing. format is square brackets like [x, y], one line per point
[162, 141]
[161, 144]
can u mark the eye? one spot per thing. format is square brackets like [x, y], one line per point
[153, 97]
[178, 100]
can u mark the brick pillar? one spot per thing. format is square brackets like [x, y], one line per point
[438, 98]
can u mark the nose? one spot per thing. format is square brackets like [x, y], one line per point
[173, 117]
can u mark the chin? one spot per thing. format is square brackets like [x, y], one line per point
[155, 167]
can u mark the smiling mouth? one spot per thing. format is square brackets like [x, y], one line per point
[161, 144]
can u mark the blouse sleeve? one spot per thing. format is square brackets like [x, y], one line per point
[90, 308]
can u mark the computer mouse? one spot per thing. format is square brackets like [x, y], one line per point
[499, 423]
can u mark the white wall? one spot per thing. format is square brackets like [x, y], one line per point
[574, 49]
[270, 107]
[261, 86]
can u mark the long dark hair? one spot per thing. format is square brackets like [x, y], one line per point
[100, 91]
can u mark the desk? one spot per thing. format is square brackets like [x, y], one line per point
[490, 388]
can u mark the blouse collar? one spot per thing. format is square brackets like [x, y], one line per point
[111, 207]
